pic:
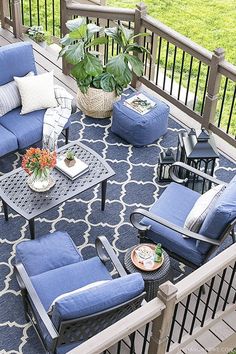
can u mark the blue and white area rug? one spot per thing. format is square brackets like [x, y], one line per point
[134, 185]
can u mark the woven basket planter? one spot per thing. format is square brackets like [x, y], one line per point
[96, 103]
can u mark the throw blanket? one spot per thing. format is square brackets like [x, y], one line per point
[56, 118]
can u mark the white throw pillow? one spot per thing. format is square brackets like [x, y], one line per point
[36, 92]
[77, 291]
[201, 207]
[10, 96]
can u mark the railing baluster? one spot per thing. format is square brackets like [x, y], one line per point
[22, 12]
[197, 83]
[189, 78]
[38, 15]
[218, 293]
[207, 301]
[166, 63]
[181, 74]
[30, 12]
[229, 287]
[150, 59]
[53, 18]
[196, 310]
[231, 110]
[145, 338]
[205, 89]
[184, 318]
[173, 71]
[172, 327]
[46, 15]
[223, 101]
[158, 59]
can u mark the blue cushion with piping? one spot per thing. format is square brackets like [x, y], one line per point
[8, 141]
[16, 60]
[47, 252]
[174, 205]
[99, 298]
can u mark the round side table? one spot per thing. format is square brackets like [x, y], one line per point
[151, 279]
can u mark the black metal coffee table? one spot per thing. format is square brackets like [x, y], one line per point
[16, 193]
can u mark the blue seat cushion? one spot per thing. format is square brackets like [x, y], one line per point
[28, 128]
[8, 141]
[137, 129]
[220, 216]
[16, 60]
[55, 282]
[47, 252]
[98, 298]
[174, 205]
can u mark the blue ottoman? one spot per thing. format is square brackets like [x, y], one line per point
[137, 129]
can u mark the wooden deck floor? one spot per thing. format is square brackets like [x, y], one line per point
[219, 338]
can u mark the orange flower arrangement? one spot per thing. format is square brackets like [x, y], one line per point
[38, 161]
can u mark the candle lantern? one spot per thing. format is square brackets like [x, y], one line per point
[166, 159]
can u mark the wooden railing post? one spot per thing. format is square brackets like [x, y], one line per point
[4, 12]
[64, 30]
[141, 10]
[16, 17]
[213, 88]
[161, 325]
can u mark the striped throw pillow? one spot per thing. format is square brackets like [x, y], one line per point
[10, 96]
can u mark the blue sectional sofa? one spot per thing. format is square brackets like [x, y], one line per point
[17, 131]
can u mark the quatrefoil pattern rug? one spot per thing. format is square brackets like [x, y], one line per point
[134, 185]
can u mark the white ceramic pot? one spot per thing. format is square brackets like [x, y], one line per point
[96, 103]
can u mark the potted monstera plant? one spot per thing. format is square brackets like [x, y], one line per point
[100, 85]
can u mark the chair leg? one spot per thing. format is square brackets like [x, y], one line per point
[66, 135]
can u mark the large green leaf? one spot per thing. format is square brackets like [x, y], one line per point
[114, 33]
[79, 33]
[135, 47]
[76, 23]
[92, 28]
[97, 41]
[108, 82]
[92, 65]
[78, 71]
[66, 40]
[136, 64]
[117, 65]
[127, 33]
[73, 53]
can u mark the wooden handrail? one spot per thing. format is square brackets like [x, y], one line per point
[105, 12]
[121, 329]
[227, 69]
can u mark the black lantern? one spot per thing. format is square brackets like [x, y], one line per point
[198, 150]
[166, 159]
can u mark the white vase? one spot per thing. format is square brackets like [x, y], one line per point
[96, 103]
[40, 182]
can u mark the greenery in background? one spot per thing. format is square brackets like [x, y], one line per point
[210, 23]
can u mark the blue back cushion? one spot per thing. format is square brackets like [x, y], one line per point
[47, 252]
[220, 216]
[99, 298]
[16, 60]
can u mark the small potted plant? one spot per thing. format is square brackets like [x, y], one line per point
[38, 35]
[70, 158]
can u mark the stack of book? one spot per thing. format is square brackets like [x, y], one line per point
[74, 171]
[140, 103]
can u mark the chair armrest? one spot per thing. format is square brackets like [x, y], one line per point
[26, 284]
[106, 253]
[169, 225]
[193, 170]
